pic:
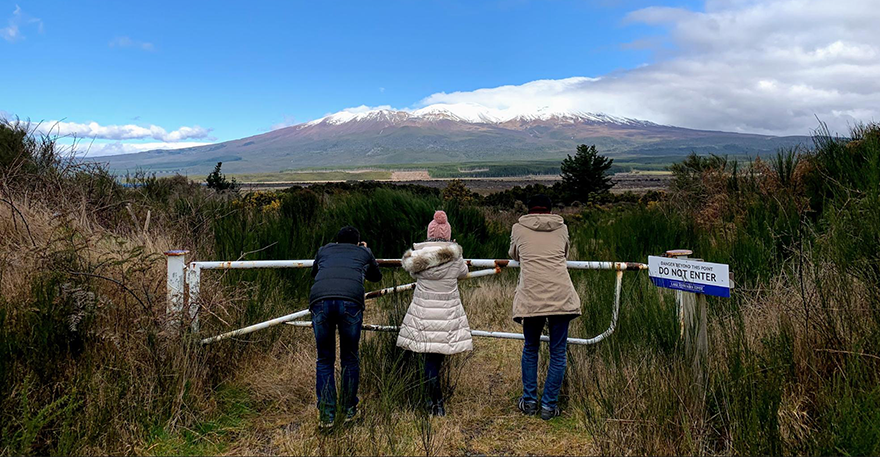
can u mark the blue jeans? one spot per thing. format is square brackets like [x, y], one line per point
[327, 317]
[532, 327]
[433, 363]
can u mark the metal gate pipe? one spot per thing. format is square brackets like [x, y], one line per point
[298, 314]
[194, 282]
[478, 263]
[478, 333]
[248, 264]
[255, 327]
[614, 313]
[511, 336]
[412, 285]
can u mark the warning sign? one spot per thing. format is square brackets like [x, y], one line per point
[690, 275]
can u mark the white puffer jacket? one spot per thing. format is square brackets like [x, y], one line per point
[435, 321]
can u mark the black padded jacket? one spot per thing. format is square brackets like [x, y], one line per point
[339, 271]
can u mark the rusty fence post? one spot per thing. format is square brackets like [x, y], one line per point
[693, 323]
[176, 261]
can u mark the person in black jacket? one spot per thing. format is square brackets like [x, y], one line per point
[337, 301]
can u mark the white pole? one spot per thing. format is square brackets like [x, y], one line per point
[255, 327]
[614, 313]
[193, 280]
[248, 264]
[298, 314]
[478, 333]
[176, 262]
[477, 263]
[412, 285]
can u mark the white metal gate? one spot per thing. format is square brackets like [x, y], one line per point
[183, 276]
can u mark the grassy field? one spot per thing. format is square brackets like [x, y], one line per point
[487, 169]
[89, 363]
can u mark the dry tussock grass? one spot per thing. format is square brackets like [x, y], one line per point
[115, 365]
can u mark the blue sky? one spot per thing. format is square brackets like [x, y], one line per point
[239, 68]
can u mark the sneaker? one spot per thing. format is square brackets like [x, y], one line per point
[549, 413]
[325, 424]
[529, 408]
[352, 416]
[437, 409]
[325, 421]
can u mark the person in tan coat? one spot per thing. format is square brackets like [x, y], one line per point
[544, 295]
[435, 323]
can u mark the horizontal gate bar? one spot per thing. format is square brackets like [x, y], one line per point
[412, 285]
[478, 263]
[298, 314]
[255, 327]
[480, 333]
[511, 336]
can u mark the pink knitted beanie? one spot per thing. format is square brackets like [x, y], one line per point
[439, 227]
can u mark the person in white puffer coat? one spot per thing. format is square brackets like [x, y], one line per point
[435, 323]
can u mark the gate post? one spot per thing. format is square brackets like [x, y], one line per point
[693, 324]
[193, 281]
[176, 261]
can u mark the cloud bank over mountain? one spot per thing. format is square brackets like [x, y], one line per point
[742, 65]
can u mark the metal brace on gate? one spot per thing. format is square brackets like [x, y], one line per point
[181, 275]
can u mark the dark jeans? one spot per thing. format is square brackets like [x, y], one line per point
[327, 317]
[433, 363]
[532, 327]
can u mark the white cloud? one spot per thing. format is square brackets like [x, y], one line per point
[122, 132]
[12, 32]
[93, 139]
[768, 66]
[97, 149]
[126, 42]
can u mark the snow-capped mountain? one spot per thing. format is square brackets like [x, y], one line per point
[446, 133]
[468, 112]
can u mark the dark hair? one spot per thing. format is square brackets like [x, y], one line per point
[540, 203]
[348, 234]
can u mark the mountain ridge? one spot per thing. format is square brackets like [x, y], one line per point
[446, 133]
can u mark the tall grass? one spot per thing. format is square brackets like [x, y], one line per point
[793, 352]
[88, 365]
[294, 224]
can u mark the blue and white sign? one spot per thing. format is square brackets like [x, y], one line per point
[690, 275]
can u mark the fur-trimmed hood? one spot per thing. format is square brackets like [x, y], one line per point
[431, 254]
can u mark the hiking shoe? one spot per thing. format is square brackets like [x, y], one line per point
[352, 416]
[549, 413]
[325, 421]
[529, 408]
[437, 410]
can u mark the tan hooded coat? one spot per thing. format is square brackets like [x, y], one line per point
[540, 243]
[435, 321]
